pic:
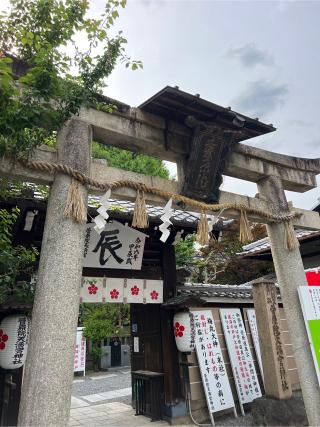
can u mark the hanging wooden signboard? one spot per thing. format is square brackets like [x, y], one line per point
[244, 372]
[251, 314]
[310, 303]
[116, 290]
[211, 364]
[117, 246]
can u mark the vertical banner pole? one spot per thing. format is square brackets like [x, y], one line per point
[235, 412]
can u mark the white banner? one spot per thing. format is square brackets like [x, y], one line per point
[117, 246]
[133, 292]
[251, 314]
[244, 372]
[153, 292]
[98, 289]
[310, 303]
[213, 371]
[80, 352]
[92, 290]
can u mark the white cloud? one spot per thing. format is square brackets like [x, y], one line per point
[262, 97]
[250, 55]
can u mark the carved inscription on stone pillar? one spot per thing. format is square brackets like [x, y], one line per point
[274, 361]
[273, 308]
[208, 153]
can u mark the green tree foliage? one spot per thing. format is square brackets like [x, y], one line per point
[185, 251]
[59, 75]
[16, 262]
[101, 321]
[127, 160]
[221, 262]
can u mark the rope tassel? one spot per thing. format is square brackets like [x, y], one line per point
[76, 207]
[140, 215]
[203, 230]
[290, 240]
[245, 230]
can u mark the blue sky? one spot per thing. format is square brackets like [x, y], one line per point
[262, 58]
[259, 57]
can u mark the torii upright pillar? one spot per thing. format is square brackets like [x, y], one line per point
[46, 391]
[290, 275]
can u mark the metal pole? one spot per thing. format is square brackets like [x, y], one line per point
[46, 392]
[290, 274]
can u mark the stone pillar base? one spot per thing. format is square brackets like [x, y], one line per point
[273, 412]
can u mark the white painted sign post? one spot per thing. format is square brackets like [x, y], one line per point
[310, 303]
[244, 372]
[117, 246]
[213, 371]
[251, 314]
[80, 353]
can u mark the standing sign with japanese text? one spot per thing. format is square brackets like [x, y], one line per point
[213, 371]
[80, 352]
[251, 314]
[117, 246]
[310, 303]
[243, 368]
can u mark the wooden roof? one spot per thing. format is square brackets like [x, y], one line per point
[174, 104]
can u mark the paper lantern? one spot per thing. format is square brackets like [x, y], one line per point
[183, 331]
[14, 333]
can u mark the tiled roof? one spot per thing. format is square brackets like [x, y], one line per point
[216, 290]
[263, 245]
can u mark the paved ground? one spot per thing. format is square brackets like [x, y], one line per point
[111, 386]
[113, 414]
[104, 399]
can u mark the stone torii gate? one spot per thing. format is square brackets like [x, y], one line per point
[204, 140]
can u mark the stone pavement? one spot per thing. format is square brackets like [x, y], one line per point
[112, 414]
[103, 399]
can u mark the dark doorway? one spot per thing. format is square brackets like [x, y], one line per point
[10, 390]
[115, 345]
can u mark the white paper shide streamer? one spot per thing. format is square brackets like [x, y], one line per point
[165, 218]
[101, 219]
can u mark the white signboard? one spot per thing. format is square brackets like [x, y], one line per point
[251, 314]
[213, 371]
[80, 352]
[136, 344]
[117, 246]
[310, 303]
[244, 372]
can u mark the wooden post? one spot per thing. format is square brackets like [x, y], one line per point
[170, 357]
[46, 392]
[274, 361]
[290, 275]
